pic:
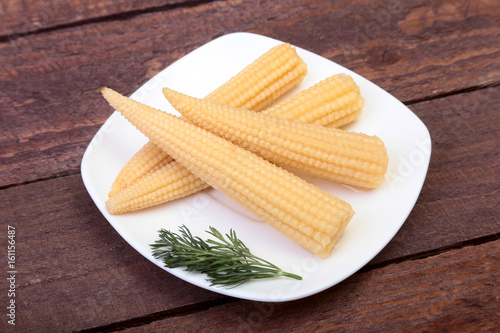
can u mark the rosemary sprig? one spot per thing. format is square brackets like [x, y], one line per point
[226, 262]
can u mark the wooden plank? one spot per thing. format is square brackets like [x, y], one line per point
[451, 292]
[51, 106]
[21, 16]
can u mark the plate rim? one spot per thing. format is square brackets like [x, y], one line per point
[231, 292]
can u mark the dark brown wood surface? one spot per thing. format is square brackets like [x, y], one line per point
[23, 17]
[75, 273]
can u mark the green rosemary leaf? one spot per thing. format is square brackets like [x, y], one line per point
[226, 261]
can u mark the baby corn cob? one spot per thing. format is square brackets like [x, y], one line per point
[301, 211]
[350, 158]
[148, 159]
[173, 182]
[255, 87]
[333, 102]
[263, 81]
[321, 96]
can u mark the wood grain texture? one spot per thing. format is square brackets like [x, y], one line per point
[456, 291]
[51, 107]
[18, 17]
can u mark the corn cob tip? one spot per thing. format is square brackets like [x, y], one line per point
[110, 207]
[105, 91]
[175, 98]
[114, 98]
[168, 93]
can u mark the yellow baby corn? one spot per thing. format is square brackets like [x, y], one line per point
[333, 102]
[350, 158]
[148, 159]
[166, 183]
[297, 107]
[263, 81]
[173, 182]
[255, 87]
[309, 216]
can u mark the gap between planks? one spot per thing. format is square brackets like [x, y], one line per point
[106, 18]
[42, 179]
[148, 319]
[434, 252]
[451, 93]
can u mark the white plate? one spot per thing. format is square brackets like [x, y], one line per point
[379, 213]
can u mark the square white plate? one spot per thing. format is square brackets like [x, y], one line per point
[379, 213]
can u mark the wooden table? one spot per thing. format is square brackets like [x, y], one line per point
[75, 273]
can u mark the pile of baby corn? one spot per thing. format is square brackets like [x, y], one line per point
[221, 141]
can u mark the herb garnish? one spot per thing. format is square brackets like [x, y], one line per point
[226, 262]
